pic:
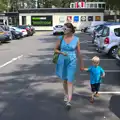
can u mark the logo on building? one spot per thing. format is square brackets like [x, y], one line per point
[97, 18]
[83, 18]
[76, 18]
[69, 18]
[61, 19]
[90, 18]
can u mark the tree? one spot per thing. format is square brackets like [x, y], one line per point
[3, 5]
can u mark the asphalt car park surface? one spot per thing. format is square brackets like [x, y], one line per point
[29, 89]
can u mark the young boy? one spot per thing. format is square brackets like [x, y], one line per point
[96, 74]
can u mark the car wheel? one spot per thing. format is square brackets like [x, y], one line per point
[112, 51]
[54, 33]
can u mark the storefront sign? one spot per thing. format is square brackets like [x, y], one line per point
[69, 18]
[61, 19]
[76, 18]
[97, 18]
[90, 18]
[41, 20]
[83, 18]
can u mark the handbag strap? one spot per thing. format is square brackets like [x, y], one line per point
[61, 41]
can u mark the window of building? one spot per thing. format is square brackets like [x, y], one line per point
[95, 5]
[91, 5]
[23, 20]
[99, 5]
[72, 5]
[88, 5]
[103, 6]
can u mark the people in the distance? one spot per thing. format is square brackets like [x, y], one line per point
[67, 61]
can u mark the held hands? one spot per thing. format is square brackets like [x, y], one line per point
[81, 68]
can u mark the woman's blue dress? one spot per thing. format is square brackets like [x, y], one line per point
[66, 65]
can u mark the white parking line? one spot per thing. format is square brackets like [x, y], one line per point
[101, 59]
[109, 92]
[14, 59]
[101, 92]
[112, 71]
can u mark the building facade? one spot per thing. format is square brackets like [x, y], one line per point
[88, 5]
[47, 18]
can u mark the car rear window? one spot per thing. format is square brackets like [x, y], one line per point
[117, 32]
[105, 32]
[23, 27]
[58, 26]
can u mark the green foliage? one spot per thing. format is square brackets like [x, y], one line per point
[14, 5]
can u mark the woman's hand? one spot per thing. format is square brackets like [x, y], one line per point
[63, 53]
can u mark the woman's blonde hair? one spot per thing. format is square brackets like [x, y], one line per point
[96, 59]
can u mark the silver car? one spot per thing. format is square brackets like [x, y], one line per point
[109, 39]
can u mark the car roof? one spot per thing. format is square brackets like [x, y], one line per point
[113, 26]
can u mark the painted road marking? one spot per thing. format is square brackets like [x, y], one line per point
[109, 92]
[14, 59]
[100, 59]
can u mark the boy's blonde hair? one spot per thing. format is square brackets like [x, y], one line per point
[96, 59]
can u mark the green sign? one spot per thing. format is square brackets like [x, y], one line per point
[41, 20]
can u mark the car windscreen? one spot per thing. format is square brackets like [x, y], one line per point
[117, 32]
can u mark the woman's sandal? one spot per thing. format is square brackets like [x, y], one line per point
[92, 100]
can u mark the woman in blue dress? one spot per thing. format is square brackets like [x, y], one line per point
[67, 61]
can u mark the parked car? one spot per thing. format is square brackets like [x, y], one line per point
[98, 28]
[109, 39]
[58, 29]
[118, 55]
[32, 30]
[16, 34]
[5, 35]
[23, 31]
[27, 28]
[93, 25]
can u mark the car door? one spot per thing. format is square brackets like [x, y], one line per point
[104, 38]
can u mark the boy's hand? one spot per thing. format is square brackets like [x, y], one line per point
[82, 69]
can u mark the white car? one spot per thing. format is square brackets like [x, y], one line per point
[24, 32]
[109, 40]
[93, 25]
[58, 29]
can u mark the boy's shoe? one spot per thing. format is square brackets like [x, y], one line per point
[97, 95]
[65, 98]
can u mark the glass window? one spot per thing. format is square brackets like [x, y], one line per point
[23, 20]
[117, 32]
[91, 5]
[72, 5]
[99, 5]
[105, 32]
[88, 5]
[95, 5]
[103, 6]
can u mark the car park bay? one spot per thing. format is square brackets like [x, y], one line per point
[29, 87]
